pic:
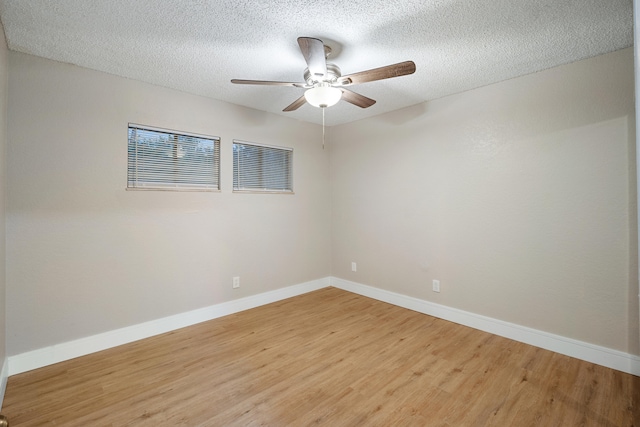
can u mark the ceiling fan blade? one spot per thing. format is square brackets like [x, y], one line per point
[296, 104]
[357, 99]
[313, 52]
[395, 70]
[267, 83]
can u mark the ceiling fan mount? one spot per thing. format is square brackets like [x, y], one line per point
[324, 81]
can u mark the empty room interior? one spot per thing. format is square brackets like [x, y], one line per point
[451, 240]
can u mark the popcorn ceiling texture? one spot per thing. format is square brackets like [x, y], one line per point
[198, 46]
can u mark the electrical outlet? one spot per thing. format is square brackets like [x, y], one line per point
[354, 267]
[436, 286]
[236, 282]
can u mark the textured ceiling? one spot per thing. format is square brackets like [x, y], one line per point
[198, 46]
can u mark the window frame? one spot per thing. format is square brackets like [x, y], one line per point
[262, 190]
[175, 186]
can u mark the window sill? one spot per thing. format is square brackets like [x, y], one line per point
[262, 192]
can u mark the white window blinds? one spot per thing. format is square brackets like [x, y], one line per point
[262, 168]
[163, 159]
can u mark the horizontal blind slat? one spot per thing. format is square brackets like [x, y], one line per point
[261, 168]
[165, 159]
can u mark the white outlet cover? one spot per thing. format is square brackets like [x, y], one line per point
[436, 286]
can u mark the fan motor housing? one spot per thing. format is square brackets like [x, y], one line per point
[333, 73]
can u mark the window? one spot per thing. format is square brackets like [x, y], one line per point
[161, 159]
[262, 168]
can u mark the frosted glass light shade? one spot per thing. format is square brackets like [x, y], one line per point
[323, 96]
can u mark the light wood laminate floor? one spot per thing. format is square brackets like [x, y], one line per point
[328, 358]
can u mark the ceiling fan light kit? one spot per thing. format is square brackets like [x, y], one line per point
[325, 83]
[323, 95]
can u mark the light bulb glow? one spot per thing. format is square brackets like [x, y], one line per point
[323, 95]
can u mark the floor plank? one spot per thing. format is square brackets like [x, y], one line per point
[328, 358]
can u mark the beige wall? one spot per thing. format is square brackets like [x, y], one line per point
[3, 145]
[636, 36]
[519, 197]
[85, 256]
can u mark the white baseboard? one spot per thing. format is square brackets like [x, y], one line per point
[60, 352]
[4, 375]
[614, 359]
[80, 347]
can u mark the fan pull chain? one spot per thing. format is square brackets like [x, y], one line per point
[323, 128]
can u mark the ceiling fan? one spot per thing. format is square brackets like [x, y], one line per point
[324, 82]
